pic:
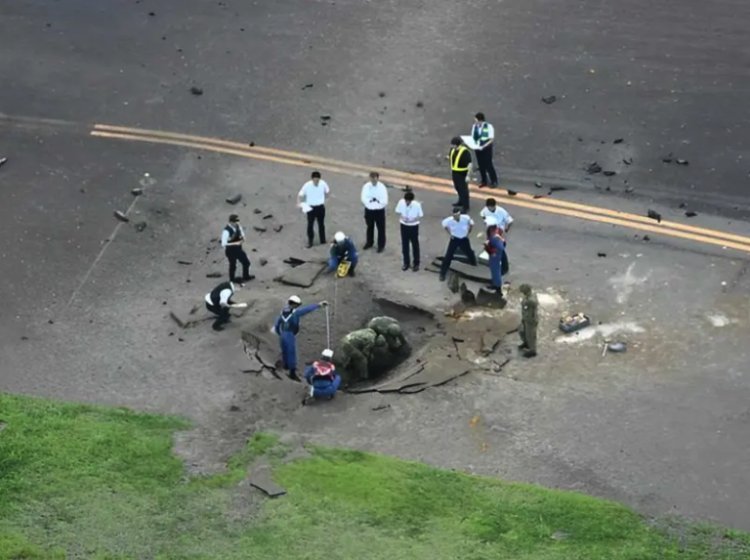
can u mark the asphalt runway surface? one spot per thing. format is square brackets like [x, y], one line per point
[398, 79]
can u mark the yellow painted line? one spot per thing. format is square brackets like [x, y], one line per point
[539, 203]
[573, 210]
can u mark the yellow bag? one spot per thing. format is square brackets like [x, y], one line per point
[343, 269]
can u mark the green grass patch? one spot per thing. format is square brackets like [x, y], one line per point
[90, 482]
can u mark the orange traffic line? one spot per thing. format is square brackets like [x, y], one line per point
[569, 209]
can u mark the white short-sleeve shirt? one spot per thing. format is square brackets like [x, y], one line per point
[314, 195]
[410, 214]
[460, 228]
[504, 219]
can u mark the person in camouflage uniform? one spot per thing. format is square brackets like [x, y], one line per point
[529, 321]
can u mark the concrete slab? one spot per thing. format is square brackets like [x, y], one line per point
[303, 275]
[476, 273]
[261, 478]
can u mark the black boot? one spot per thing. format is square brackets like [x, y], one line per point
[293, 375]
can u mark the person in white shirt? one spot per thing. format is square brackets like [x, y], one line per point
[483, 134]
[498, 213]
[459, 227]
[232, 238]
[312, 199]
[411, 213]
[219, 302]
[375, 199]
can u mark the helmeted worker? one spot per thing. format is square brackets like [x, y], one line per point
[529, 321]
[219, 302]
[495, 247]
[322, 377]
[342, 249]
[460, 160]
[287, 327]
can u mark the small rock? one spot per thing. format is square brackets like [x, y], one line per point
[196, 90]
[668, 158]
[617, 347]
[609, 173]
[185, 262]
[325, 117]
[627, 161]
[690, 214]
[549, 100]
[682, 162]
[234, 408]
[602, 255]
[537, 196]
[152, 14]
[512, 193]
[138, 191]
[140, 226]
[381, 94]
[24, 338]
[618, 141]
[3, 161]
[51, 322]
[257, 211]
[629, 190]
[259, 229]
[307, 86]
[268, 216]
[654, 215]
[121, 216]
[594, 168]
[263, 262]
[278, 228]
[251, 144]
[557, 188]
[213, 275]
[180, 339]
[683, 205]
[538, 185]
[646, 238]
[420, 104]
[234, 199]
[380, 407]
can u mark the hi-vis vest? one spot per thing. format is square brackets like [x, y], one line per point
[323, 370]
[484, 134]
[455, 157]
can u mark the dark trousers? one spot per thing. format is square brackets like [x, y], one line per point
[316, 213]
[462, 188]
[222, 315]
[236, 253]
[486, 167]
[410, 239]
[375, 218]
[454, 244]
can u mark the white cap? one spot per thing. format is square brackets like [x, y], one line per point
[327, 353]
[490, 221]
[294, 299]
[339, 237]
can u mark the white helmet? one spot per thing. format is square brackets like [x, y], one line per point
[339, 237]
[327, 353]
[295, 300]
[490, 221]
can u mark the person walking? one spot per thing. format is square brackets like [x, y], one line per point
[219, 302]
[529, 321]
[460, 160]
[231, 239]
[459, 228]
[312, 199]
[483, 134]
[411, 213]
[495, 247]
[287, 328]
[375, 199]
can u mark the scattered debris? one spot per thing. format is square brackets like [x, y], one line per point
[682, 205]
[380, 407]
[234, 199]
[549, 100]
[538, 185]
[263, 262]
[251, 144]
[557, 188]
[602, 255]
[467, 296]
[420, 104]
[185, 262]
[278, 228]
[594, 168]
[214, 274]
[257, 211]
[718, 320]
[572, 323]
[668, 158]
[538, 196]
[618, 140]
[512, 193]
[453, 283]
[646, 238]
[268, 216]
[691, 214]
[617, 347]
[381, 94]
[609, 173]
[629, 190]
[3, 161]
[261, 479]
[682, 162]
[654, 215]
[293, 261]
[627, 161]
[325, 117]
[259, 229]
[121, 216]
[140, 226]
[307, 86]
[152, 14]
[196, 90]
[234, 408]
[137, 191]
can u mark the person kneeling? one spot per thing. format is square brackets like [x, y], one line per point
[342, 250]
[321, 376]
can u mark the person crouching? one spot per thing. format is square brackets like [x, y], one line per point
[322, 378]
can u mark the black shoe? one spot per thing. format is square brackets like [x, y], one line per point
[493, 186]
[351, 273]
[381, 249]
[529, 354]
[217, 328]
[483, 185]
[415, 268]
[457, 203]
[442, 277]
[322, 241]
[293, 376]
[248, 278]
[367, 246]
[405, 267]
[465, 210]
[309, 244]
[522, 346]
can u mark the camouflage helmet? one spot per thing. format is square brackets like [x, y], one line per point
[525, 289]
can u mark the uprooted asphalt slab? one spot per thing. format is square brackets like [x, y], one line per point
[661, 426]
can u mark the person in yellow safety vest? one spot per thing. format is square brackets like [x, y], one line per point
[483, 134]
[460, 160]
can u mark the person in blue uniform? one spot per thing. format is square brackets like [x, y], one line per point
[342, 249]
[495, 247]
[321, 376]
[287, 327]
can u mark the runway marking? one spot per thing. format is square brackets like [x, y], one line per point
[426, 182]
